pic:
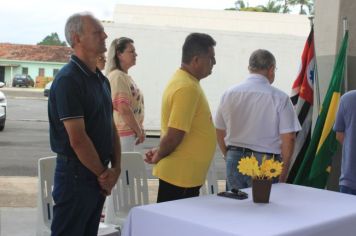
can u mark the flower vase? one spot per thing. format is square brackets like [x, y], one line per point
[261, 189]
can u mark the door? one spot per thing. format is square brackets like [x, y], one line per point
[2, 74]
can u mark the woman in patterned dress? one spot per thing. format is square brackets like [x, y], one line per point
[126, 96]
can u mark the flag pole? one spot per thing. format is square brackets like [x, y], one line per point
[316, 80]
[346, 80]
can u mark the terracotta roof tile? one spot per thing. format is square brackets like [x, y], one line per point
[24, 52]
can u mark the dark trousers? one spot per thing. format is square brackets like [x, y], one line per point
[170, 192]
[348, 190]
[78, 200]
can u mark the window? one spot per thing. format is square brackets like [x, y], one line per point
[41, 72]
[24, 70]
[55, 71]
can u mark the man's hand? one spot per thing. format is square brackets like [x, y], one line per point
[152, 156]
[169, 142]
[108, 179]
[220, 135]
[283, 177]
[340, 136]
[287, 147]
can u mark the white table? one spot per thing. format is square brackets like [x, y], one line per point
[293, 210]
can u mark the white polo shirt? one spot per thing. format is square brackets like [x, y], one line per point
[255, 114]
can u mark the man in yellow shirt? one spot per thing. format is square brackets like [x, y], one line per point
[188, 137]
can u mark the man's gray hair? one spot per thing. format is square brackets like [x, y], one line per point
[74, 25]
[261, 59]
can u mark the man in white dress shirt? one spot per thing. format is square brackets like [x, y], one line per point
[254, 117]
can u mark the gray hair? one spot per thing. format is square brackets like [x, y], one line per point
[74, 25]
[261, 59]
[117, 45]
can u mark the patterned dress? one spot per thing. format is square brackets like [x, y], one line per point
[125, 91]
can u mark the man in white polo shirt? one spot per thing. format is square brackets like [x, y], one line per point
[254, 117]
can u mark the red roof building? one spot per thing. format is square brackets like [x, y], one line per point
[33, 60]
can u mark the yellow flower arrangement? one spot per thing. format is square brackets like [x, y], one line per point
[267, 170]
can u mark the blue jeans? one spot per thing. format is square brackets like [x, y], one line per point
[234, 178]
[345, 189]
[78, 200]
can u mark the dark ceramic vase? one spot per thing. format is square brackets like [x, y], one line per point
[261, 189]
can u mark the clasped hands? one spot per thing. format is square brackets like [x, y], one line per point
[108, 179]
[151, 156]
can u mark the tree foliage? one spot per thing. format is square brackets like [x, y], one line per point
[303, 3]
[285, 6]
[255, 9]
[240, 5]
[52, 39]
[276, 6]
[271, 6]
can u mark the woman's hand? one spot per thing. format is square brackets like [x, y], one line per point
[140, 137]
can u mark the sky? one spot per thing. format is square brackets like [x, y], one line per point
[30, 21]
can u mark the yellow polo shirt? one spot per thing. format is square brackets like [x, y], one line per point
[185, 107]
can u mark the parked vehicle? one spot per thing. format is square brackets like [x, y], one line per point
[23, 80]
[47, 89]
[3, 105]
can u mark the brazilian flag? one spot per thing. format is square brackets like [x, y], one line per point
[315, 167]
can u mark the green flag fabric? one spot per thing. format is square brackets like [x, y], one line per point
[315, 167]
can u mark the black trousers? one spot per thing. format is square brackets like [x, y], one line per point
[170, 192]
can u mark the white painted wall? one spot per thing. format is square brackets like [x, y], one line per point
[159, 34]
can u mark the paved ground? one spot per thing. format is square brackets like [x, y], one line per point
[18, 221]
[30, 93]
[18, 191]
[18, 206]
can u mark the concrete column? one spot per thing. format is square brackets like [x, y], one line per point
[328, 25]
[11, 76]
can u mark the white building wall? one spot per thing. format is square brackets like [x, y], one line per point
[255, 22]
[159, 34]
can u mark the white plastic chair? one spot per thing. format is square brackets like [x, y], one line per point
[131, 189]
[46, 167]
[211, 184]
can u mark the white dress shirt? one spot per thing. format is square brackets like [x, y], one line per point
[255, 114]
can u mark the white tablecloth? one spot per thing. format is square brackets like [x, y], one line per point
[293, 210]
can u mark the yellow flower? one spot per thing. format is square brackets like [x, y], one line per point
[249, 166]
[267, 170]
[271, 168]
